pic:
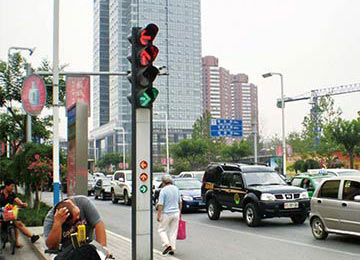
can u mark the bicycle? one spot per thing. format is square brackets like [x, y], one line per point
[8, 228]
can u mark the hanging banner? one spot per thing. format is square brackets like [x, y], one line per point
[33, 95]
[77, 91]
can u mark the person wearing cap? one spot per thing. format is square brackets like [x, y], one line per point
[168, 214]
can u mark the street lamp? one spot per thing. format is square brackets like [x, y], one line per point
[266, 75]
[28, 117]
[123, 141]
[167, 139]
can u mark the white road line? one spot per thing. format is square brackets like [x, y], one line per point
[276, 239]
[129, 240]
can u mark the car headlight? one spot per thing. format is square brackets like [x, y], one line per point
[187, 198]
[267, 196]
[304, 195]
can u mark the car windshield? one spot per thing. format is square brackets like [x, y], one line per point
[262, 178]
[188, 184]
[106, 182]
[128, 176]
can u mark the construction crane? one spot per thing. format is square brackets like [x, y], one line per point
[314, 95]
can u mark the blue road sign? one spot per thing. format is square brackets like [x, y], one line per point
[226, 128]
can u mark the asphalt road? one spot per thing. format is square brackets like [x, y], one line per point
[230, 238]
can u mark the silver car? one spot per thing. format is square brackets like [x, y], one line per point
[335, 207]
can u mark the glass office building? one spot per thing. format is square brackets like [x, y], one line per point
[179, 43]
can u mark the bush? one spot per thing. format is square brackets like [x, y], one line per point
[30, 217]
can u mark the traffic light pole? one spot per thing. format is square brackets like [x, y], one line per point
[141, 213]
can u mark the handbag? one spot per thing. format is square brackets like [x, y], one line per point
[181, 235]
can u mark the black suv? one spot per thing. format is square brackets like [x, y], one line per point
[257, 191]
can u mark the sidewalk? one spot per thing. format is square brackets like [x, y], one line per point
[119, 246]
[25, 253]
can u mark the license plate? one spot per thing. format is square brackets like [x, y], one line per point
[291, 205]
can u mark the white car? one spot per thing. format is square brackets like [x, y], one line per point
[121, 187]
[335, 172]
[192, 174]
[91, 184]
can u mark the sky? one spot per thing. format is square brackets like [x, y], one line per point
[314, 44]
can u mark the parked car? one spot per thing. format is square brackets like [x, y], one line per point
[190, 190]
[335, 172]
[256, 191]
[102, 189]
[309, 181]
[335, 207]
[192, 174]
[91, 184]
[121, 187]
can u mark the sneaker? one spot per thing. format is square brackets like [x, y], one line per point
[167, 250]
[34, 238]
[171, 252]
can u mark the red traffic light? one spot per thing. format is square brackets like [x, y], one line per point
[148, 34]
[148, 55]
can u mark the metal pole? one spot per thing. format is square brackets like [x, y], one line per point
[283, 124]
[28, 117]
[167, 143]
[56, 177]
[255, 143]
[123, 144]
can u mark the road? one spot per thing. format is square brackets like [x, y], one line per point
[230, 238]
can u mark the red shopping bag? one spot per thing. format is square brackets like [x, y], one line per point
[181, 235]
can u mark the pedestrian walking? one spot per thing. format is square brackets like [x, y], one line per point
[168, 214]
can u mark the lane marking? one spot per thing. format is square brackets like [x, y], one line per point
[129, 240]
[276, 239]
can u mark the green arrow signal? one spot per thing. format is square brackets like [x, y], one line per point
[143, 188]
[148, 96]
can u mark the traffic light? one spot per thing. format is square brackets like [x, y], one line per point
[143, 73]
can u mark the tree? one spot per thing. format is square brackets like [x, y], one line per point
[201, 127]
[346, 133]
[13, 124]
[236, 151]
[109, 159]
[191, 151]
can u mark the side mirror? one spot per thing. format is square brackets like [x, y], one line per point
[121, 179]
[239, 184]
[357, 198]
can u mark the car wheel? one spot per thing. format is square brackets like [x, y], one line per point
[318, 229]
[251, 215]
[102, 195]
[127, 201]
[96, 196]
[89, 193]
[299, 219]
[213, 210]
[114, 200]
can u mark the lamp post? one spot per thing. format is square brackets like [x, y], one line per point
[266, 75]
[28, 117]
[167, 139]
[123, 149]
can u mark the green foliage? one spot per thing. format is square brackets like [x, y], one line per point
[32, 217]
[304, 166]
[192, 152]
[201, 127]
[236, 151]
[158, 168]
[6, 166]
[346, 133]
[109, 159]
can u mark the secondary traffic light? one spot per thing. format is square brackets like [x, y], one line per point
[143, 73]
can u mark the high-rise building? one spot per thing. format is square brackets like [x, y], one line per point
[101, 63]
[180, 93]
[229, 96]
[245, 103]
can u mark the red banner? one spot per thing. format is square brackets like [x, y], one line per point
[77, 90]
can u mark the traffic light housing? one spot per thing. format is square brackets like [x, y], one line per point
[143, 73]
